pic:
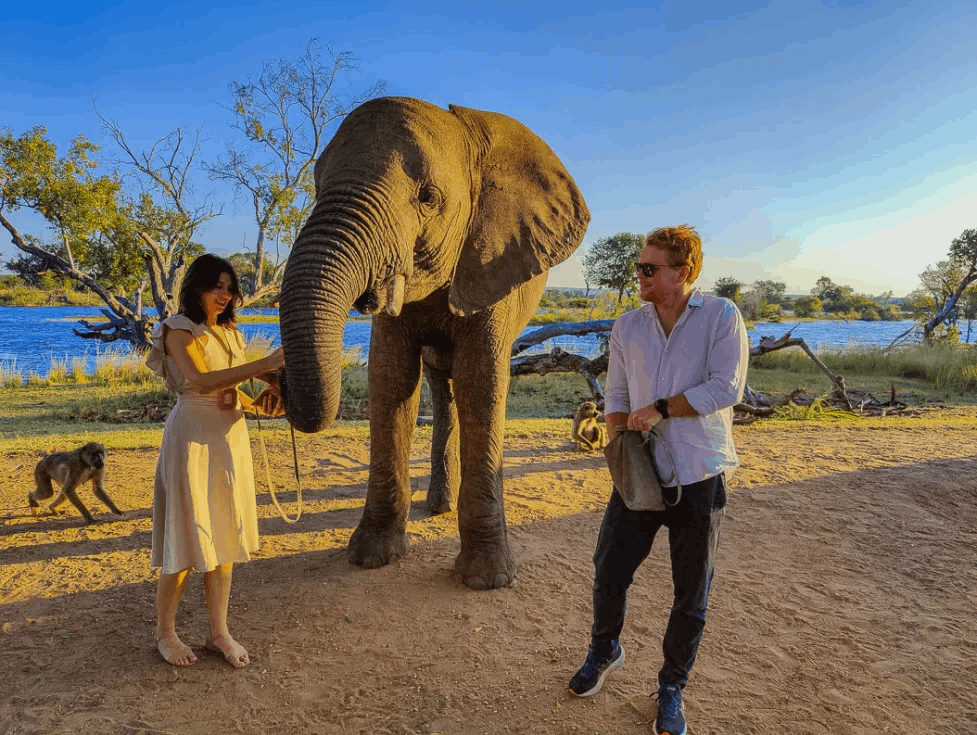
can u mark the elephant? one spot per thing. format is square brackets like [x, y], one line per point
[442, 224]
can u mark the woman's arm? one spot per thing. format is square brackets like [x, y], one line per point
[184, 350]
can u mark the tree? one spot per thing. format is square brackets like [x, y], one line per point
[609, 262]
[728, 287]
[963, 271]
[773, 291]
[826, 290]
[284, 114]
[968, 309]
[943, 285]
[119, 232]
[751, 304]
[83, 216]
[162, 212]
[807, 306]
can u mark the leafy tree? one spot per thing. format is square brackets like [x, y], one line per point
[134, 227]
[727, 287]
[807, 306]
[284, 114]
[772, 313]
[84, 217]
[609, 262]
[826, 290]
[935, 303]
[919, 305]
[890, 313]
[947, 280]
[751, 304]
[968, 308]
[772, 291]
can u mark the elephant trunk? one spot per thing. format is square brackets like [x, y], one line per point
[322, 280]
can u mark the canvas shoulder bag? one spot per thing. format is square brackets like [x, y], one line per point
[636, 479]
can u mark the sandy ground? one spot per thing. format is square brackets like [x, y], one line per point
[844, 602]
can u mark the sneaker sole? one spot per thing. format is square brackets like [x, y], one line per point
[618, 663]
[668, 732]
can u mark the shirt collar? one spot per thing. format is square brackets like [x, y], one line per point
[696, 299]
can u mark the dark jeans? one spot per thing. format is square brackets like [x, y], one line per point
[625, 540]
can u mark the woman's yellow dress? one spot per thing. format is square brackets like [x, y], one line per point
[204, 508]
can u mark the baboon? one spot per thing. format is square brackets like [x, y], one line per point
[586, 432]
[71, 469]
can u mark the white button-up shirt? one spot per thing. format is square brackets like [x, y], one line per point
[705, 357]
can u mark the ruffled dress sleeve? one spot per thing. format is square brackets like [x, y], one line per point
[161, 363]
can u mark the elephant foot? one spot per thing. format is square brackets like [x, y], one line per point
[373, 549]
[439, 500]
[486, 571]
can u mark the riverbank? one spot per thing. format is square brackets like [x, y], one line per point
[822, 618]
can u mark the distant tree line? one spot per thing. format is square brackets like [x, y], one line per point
[945, 301]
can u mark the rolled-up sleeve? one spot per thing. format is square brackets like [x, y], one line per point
[616, 397]
[726, 366]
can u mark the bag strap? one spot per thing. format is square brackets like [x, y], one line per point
[659, 439]
[295, 465]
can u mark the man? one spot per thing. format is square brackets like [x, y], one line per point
[679, 363]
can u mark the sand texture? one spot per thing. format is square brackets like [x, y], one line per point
[845, 600]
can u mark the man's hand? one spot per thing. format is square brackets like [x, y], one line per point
[644, 419]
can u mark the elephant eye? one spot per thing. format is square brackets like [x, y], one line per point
[429, 196]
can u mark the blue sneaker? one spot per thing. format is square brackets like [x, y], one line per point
[671, 711]
[595, 669]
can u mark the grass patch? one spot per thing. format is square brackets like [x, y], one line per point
[73, 403]
[922, 374]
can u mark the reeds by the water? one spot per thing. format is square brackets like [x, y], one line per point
[943, 367]
[122, 366]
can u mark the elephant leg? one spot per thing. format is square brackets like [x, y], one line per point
[395, 386]
[442, 492]
[481, 383]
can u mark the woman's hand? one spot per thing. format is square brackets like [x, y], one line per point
[274, 361]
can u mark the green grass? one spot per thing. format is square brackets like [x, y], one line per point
[122, 390]
[14, 293]
[927, 374]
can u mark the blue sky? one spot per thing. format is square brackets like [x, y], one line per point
[803, 138]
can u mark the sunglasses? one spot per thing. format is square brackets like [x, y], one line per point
[649, 269]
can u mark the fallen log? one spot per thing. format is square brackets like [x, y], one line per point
[558, 361]
[769, 344]
[542, 334]
[754, 405]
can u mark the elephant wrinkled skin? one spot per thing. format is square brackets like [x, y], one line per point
[443, 224]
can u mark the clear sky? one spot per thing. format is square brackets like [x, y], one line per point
[802, 137]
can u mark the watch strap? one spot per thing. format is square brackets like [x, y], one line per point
[661, 405]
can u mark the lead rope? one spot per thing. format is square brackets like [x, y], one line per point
[295, 465]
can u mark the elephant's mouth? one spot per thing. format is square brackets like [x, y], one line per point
[387, 295]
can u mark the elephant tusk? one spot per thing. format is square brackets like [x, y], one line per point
[395, 295]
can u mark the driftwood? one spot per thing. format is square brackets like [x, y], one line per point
[559, 361]
[754, 405]
[769, 344]
[558, 330]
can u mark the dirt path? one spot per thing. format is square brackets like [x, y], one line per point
[844, 602]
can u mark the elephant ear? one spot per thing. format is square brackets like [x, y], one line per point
[528, 213]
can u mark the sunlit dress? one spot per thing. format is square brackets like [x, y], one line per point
[204, 509]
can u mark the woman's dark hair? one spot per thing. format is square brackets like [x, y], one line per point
[204, 274]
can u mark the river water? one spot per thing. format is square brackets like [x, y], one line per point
[32, 337]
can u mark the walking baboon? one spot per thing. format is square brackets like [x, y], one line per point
[586, 432]
[71, 469]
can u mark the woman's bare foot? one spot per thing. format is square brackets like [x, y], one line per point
[234, 653]
[174, 651]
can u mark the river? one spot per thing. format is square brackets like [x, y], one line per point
[32, 337]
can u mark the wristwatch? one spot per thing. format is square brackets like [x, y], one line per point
[661, 405]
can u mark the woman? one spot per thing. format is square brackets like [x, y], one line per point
[204, 509]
